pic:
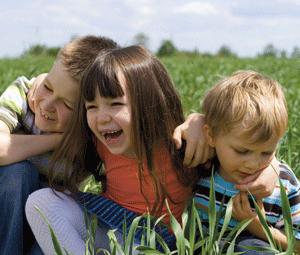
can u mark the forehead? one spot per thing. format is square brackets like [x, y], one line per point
[238, 138]
[61, 82]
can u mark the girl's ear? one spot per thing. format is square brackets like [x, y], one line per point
[209, 135]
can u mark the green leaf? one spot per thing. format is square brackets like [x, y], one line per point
[56, 243]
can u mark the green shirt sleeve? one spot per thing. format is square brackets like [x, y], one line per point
[13, 102]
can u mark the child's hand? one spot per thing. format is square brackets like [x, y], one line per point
[31, 93]
[242, 211]
[262, 183]
[197, 150]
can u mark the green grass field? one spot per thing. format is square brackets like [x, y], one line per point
[192, 75]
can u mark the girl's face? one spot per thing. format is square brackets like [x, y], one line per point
[54, 99]
[110, 121]
[238, 158]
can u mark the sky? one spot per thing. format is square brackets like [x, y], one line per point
[246, 26]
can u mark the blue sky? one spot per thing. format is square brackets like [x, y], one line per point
[246, 26]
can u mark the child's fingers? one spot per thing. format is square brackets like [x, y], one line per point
[246, 205]
[236, 203]
[189, 153]
[177, 137]
[200, 155]
[261, 205]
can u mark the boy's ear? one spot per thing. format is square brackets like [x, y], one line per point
[208, 135]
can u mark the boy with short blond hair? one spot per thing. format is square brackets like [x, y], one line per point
[245, 118]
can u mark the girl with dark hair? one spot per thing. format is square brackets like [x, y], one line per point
[125, 119]
[126, 116]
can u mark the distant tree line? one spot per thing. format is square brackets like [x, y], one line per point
[168, 48]
[41, 49]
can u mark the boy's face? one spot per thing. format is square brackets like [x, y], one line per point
[238, 158]
[54, 99]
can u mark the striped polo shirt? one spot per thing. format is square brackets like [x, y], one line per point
[225, 190]
[17, 115]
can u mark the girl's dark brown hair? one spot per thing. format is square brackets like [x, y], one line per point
[155, 112]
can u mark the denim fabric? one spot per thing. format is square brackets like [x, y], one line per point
[246, 239]
[36, 250]
[17, 181]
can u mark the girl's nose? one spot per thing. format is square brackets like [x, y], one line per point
[103, 117]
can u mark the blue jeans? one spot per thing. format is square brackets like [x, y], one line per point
[17, 181]
[246, 239]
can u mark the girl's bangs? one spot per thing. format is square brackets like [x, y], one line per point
[103, 79]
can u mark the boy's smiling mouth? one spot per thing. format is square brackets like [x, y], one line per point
[46, 116]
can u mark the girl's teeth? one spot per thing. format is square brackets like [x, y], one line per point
[112, 134]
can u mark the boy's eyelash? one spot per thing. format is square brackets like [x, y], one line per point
[241, 151]
[68, 106]
[46, 87]
[268, 153]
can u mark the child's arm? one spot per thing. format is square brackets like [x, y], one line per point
[15, 147]
[263, 183]
[242, 211]
[197, 150]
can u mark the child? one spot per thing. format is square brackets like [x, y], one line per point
[33, 116]
[245, 118]
[127, 112]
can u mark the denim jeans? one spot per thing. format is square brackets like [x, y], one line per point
[17, 181]
[246, 239]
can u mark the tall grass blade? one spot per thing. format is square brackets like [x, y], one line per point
[56, 243]
[288, 224]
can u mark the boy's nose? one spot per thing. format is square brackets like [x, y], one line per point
[49, 105]
[253, 165]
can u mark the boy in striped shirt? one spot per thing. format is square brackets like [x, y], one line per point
[34, 114]
[245, 118]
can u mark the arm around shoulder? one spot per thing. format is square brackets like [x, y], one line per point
[15, 147]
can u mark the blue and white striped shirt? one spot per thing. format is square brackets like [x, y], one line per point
[225, 190]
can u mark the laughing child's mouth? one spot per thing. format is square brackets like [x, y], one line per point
[111, 134]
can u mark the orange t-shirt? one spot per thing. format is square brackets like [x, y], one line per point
[123, 184]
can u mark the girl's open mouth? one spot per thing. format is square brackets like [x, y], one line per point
[110, 135]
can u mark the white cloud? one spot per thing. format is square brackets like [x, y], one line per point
[198, 8]
[246, 25]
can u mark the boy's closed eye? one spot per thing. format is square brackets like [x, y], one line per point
[267, 153]
[47, 87]
[241, 151]
[245, 151]
[68, 106]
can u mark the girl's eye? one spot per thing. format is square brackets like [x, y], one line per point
[117, 103]
[89, 106]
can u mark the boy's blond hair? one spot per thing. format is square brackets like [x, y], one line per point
[79, 53]
[248, 100]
